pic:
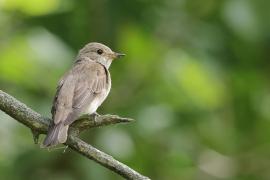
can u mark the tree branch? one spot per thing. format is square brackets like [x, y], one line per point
[87, 122]
[39, 125]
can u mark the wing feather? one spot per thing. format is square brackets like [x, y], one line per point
[77, 90]
[62, 105]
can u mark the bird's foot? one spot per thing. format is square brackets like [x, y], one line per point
[95, 116]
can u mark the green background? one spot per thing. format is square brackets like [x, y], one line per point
[195, 78]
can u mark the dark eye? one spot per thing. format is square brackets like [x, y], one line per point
[100, 51]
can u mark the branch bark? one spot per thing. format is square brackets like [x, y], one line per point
[39, 125]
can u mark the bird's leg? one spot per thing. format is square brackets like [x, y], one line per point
[95, 115]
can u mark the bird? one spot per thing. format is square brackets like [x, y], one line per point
[81, 90]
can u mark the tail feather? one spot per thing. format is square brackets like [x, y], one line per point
[56, 134]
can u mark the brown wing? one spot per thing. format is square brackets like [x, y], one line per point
[86, 80]
[92, 80]
[62, 105]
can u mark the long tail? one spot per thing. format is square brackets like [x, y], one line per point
[56, 134]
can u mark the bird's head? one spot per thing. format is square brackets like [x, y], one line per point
[100, 53]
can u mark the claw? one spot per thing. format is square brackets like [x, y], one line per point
[95, 115]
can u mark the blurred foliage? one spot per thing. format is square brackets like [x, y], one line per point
[196, 79]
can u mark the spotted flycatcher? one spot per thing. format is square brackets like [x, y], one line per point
[81, 90]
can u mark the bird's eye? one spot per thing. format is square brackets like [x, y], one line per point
[99, 51]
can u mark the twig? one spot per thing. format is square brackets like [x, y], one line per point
[39, 125]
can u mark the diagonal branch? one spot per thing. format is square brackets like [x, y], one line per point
[39, 125]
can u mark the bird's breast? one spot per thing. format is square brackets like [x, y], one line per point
[100, 97]
[97, 101]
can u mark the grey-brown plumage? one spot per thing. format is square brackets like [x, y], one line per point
[81, 90]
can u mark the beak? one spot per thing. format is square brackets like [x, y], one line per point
[118, 55]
